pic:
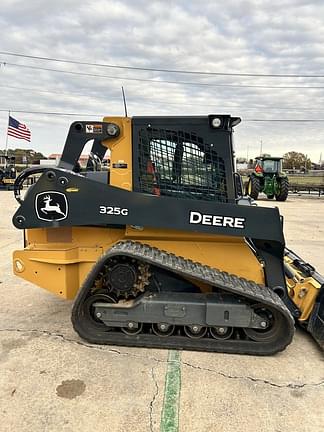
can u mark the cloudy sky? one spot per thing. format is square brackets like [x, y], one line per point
[233, 37]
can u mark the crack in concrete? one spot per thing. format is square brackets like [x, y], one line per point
[257, 380]
[84, 344]
[155, 395]
[146, 358]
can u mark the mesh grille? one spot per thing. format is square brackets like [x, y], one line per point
[180, 164]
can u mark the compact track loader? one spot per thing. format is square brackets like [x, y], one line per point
[163, 250]
[8, 173]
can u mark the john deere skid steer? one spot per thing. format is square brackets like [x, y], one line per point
[8, 173]
[162, 250]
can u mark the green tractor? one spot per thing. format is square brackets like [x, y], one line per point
[268, 178]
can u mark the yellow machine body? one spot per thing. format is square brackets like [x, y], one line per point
[59, 259]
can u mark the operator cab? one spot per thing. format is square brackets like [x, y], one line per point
[268, 164]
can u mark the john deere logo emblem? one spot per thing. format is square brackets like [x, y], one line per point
[51, 206]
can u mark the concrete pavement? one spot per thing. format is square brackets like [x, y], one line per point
[50, 380]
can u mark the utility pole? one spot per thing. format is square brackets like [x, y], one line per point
[260, 147]
[6, 148]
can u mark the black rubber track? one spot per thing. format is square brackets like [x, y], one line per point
[99, 334]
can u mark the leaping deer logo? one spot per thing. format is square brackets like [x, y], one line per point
[50, 207]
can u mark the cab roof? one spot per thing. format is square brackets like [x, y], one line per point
[269, 158]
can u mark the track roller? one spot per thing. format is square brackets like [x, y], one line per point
[163, 329]
[221, 332]
[132, 328]
[195, 331]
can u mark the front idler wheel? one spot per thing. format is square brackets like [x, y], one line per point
[271, 322]
[89, 309]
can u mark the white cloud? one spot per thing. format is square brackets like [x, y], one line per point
[239, 36]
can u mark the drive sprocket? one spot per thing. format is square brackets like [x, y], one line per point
[124, 278]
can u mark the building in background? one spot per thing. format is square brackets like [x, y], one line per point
[83, 159]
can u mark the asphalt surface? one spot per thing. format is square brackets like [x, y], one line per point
[50, 380]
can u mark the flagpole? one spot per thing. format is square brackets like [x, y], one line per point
[6, 150]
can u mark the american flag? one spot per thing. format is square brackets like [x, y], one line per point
[18, 130]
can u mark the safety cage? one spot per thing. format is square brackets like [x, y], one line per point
[174, 161]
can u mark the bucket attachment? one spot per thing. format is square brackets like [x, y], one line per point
[316, 322]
